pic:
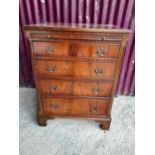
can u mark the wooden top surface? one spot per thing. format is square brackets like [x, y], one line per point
[76, 27]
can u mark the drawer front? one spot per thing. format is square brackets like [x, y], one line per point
[103, 70]
[70, 36]
[71, 49]
[55, 87]
[77, 88]
[58, 106]
[89, 107]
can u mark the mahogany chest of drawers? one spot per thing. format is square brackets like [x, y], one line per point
[76, 69]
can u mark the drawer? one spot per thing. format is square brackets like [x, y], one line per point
[65, 87]
[80, 69]
[76, 36]
[71, 49]
[58, 106]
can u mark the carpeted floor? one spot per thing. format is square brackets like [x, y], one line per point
[76, 137]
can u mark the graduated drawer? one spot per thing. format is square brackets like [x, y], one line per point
[71, 49]
[80, 69]
[59, 106]
[77, 88]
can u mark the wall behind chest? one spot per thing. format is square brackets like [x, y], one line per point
[117, 12]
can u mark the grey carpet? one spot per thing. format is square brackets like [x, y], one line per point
[76, 137]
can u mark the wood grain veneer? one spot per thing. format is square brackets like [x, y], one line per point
[76, 69]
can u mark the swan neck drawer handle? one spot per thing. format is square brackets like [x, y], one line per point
[50, 49]
[52, 68]
[53, 88]
[54, 106]
[95, 91]
[99, 71]
[101, 52]
[93, 109]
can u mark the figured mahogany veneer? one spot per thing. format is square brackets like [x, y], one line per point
[76, 49]
[79, 88]
[100, 69]
[73, 107]
[76, 69]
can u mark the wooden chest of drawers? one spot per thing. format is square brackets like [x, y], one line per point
[76, 69]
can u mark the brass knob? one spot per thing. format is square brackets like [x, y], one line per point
[48, 36]
[99, 71]
[54, 105]
[52, 68]
[50, 49]
[53, 88]
[95, 91]
[101, 52]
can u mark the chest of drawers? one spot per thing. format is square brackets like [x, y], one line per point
[76, 69]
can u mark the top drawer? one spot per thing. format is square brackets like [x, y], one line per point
[75, 49]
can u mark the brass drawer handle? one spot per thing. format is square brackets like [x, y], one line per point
[99, 71]
[54, 105]
[101, 52]
[52, 68]
[49, 36]
[53, 88]
[95, 90]
[93, 109]
[50, 49]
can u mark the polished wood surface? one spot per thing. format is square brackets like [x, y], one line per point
[100, 69]
[67, 87]
[76, 69]
[71, 49]
[75, 106]
[80, 27]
